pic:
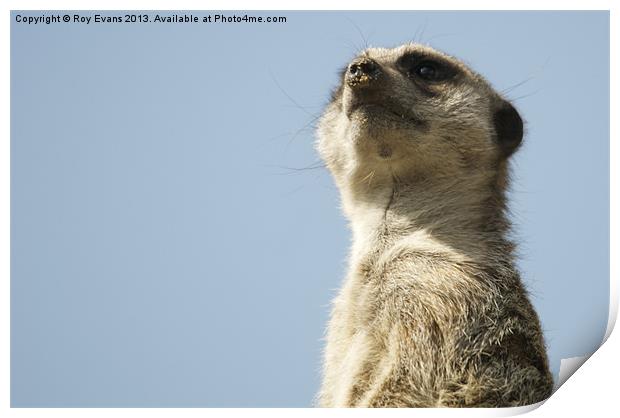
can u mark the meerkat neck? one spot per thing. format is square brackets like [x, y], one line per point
[465, 214]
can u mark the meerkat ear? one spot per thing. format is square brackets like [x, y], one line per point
[508, 128]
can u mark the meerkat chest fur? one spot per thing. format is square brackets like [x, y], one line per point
[432, 311]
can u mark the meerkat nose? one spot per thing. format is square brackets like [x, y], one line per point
[361, 72]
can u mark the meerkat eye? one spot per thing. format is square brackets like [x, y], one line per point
[427, 71]
[431, 71]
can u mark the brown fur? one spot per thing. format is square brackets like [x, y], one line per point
[432, 311]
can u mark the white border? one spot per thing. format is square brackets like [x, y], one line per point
[590, 392]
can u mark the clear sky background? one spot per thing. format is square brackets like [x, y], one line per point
[166, 250]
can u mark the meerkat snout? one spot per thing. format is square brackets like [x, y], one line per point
[362, 72]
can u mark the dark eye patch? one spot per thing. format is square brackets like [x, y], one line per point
[426, 68]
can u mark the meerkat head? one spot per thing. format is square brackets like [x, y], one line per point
[413, 112]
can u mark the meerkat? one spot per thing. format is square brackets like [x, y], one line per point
[432, 312]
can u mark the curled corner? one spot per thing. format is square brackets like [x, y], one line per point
[568, 366]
